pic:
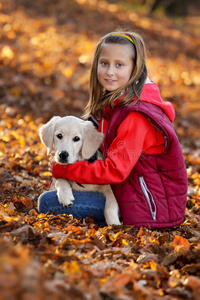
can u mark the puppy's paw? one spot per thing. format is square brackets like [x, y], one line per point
[64, 192]
[65, 198]
[112, 217]
[113, 221]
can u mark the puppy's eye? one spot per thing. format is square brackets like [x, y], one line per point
[76, 139]
[59, 136]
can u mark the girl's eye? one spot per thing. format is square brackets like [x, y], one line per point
[119, 65]
[103, 63]
[76, 139]
[59, 136]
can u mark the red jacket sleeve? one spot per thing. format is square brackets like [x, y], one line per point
[122, 156]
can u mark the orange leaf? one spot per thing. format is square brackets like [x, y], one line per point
[27, 202]
[74, 229]
[180, 241]
[121, 280]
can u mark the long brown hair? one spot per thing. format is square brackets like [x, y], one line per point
[99, 98]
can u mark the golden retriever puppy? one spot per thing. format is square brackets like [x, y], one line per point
[74, 139]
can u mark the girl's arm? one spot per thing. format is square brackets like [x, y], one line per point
[122, 156]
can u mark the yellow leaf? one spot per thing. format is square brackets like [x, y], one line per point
[124, 242]
[72, 267]
[7, 52]
[68, 72]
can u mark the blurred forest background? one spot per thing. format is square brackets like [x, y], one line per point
[46, 48]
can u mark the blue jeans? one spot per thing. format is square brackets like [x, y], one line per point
[85, 204]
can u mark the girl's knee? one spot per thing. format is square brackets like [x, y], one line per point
[42, 203]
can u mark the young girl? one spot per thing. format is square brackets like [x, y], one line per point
[143, 160]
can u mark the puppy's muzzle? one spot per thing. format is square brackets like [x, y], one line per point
[63, 157]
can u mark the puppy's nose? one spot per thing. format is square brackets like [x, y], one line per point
[63, 155]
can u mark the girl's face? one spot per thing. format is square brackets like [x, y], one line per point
[115, 66]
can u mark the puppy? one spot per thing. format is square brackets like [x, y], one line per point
[74, 139]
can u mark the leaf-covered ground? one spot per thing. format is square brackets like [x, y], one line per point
[45, 52]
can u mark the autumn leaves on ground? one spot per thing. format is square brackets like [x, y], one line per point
[45, 51]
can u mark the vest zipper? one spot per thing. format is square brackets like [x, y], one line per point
[102, 125]
[149, 197]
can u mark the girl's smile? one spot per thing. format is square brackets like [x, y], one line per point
[115, 65]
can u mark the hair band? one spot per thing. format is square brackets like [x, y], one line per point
[125, 36]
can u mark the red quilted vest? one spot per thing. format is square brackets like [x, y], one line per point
[155, 192]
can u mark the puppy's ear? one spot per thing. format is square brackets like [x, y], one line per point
[92, 140]
[46, 133]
